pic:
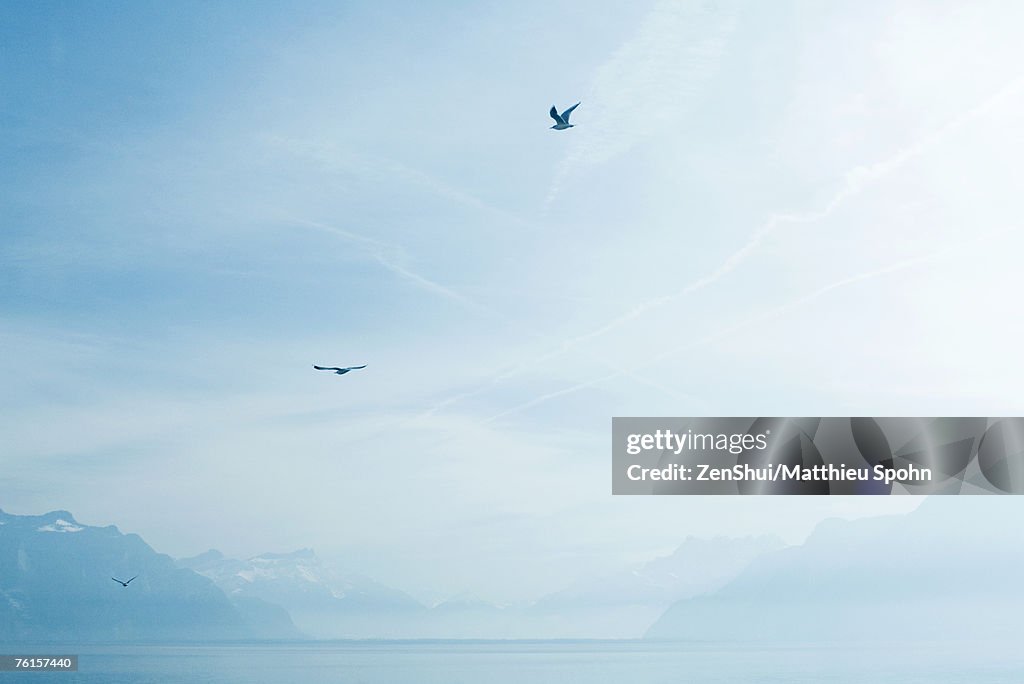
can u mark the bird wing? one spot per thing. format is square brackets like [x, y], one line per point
[355, 367]
[130, 581]
[117, 580]
[554, 115]
[333, 368]
[567, 112]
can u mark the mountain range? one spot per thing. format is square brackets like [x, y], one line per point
[323, 602]
[624, 604]
[56, 583]
[950, 570]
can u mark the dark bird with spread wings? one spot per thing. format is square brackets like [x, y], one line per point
[122, 582]
[339, 371]
[562, 120]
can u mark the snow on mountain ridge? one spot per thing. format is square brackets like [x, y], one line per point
[60, 525]
[321, 600]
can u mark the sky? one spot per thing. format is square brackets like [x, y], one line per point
[794, 208]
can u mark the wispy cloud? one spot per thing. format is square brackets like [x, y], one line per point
[333, 158]
[650, 82]
[659, 73]
[856, 181]
[391, 258]
[735, 328]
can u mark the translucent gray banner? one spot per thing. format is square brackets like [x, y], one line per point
[38, 663]
[818, 455]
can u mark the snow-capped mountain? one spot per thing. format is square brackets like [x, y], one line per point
[55, 583]
[322, 601]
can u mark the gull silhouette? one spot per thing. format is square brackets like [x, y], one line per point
[562, 120]
[339, 371]
[122, 582]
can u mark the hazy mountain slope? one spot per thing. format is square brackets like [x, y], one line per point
[948, 570]
[55, 583]
[696, 566]
[322, 602]
[624, 604]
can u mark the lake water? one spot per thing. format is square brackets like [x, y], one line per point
[535, 662]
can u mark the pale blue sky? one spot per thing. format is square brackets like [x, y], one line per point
[800, 208]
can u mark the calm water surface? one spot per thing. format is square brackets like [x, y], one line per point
[536, 662]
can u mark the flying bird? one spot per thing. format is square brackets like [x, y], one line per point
[562, 120]
[123, 583]
[339, 371]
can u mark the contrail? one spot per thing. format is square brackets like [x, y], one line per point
[856, 181]
[382, 254]
[665, 64]
[617, 371]
[729, 330]
[389, 170]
